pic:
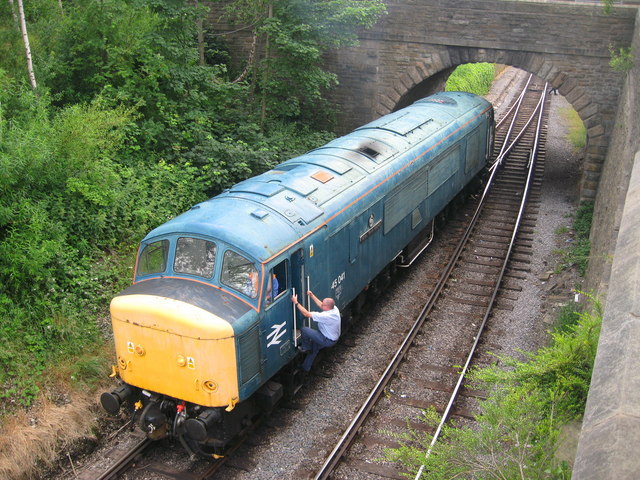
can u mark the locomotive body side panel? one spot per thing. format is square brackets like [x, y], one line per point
[424, 166]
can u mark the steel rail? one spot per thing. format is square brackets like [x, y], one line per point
[351, 431]
[124, 462]
[516, 104]
[531, 168]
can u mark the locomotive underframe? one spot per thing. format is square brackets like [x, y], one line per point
[203, 431]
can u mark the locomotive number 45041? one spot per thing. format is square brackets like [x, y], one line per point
[337, 281]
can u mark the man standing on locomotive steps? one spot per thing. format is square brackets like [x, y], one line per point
[328, 320]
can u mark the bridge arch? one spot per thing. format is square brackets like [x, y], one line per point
[429, 76]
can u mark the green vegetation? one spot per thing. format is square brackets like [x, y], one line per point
[577, 254]
[472, 77]
[577, 131]
[607, 6]
[621, 59]
[129, 126]
[517, 433]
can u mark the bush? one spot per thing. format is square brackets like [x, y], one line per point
[621, 59]
[472, 77]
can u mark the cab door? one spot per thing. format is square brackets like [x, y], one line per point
[277, 325]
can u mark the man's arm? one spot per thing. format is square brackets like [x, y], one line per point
[317, 301]
[303, 311]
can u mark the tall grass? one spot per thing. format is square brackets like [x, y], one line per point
[577, 254]
[472, 77]
[577, 132]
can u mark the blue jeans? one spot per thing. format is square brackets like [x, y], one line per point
[313, 341]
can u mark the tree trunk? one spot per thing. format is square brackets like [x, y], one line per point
[27, 48]
[249, 65]
[263, 112]
[200, 30]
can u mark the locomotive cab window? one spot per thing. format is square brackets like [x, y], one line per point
[277, 283]
[240, 274]
[153, 258]
[195, 256]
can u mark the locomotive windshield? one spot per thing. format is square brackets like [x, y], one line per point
[195, 256]
[153, 258]
[239, 273]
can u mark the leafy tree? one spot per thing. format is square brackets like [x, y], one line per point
[138, 54]
[143, 55]
[125, 130]
[289, 76]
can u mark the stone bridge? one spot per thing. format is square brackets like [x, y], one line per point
[412, 51]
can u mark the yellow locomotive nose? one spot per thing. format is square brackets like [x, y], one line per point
[174, 348]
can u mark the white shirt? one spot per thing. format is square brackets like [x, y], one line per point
[328, 323]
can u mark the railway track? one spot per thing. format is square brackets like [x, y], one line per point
[482, 275]
[134, 456]
[117, 460]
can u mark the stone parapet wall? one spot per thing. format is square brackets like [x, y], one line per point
[608, 445]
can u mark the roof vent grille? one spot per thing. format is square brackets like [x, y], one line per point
[369, 152]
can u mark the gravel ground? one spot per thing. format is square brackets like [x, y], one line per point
[329, 400]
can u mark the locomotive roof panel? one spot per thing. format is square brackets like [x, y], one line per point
[239, 220]
[264, 214]
[427, 115]
[365, 150]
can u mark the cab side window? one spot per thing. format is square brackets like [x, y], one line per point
[278, 281]
[240, 274]
[153, 258]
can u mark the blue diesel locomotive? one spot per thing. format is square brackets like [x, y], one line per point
[206, 335]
